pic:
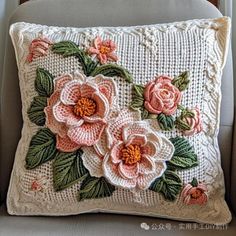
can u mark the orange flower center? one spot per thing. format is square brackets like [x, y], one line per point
[196, 194]
[85, 107]
[104, 50]
[131, 154]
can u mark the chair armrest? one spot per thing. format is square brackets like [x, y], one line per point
[233, 170]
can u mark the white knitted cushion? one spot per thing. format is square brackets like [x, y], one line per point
[121, 119]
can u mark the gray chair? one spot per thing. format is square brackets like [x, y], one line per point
[83, 13]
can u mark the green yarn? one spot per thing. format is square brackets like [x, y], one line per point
[93, 187]
[68, 169]
[181, 81]
[184, 156]
[44, 82]
[42, 148]
[36, 110]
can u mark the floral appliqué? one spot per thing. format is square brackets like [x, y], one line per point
[39, 183]
[160, 99]
[39, 47]
[104, 50]
[78, 110]
[134, 155]
[89, 140]
[194, 193]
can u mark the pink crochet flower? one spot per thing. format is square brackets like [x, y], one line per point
[78, 109]
[195, 122]
[194, 193]
[39, 183]
[132, 155]
[161, 96]
[103, 49]
[38, 47]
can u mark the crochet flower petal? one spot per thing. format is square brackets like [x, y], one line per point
[111, 172]
[97, 42]
[55, 126]
[137, 140]
[165, 149]
[116, 153]
[93, 50]
[64, 144]
[102, 58]
[110, 44]
[65, 114]
[116, 125]
[102, 104]
[144, 181]
[87, 134]
[61, 81]
[147, 165]
[101, 146]
[136, 128]
[87, 90]
[92, 162]
[79, 76]
[112, 56]
[148, 106]
[71, 93]
[128, 171]
[150, 149]
[107, 87]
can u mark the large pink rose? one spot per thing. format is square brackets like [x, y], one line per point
[161, 96]
[131, 155]
[78, 109]
[194, 122]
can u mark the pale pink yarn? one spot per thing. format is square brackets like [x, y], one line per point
[161, 96]
[73, 131]
[103, 49]
[38, 47]
[125, 130]
[195, 122]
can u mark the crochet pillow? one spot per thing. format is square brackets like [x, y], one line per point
[120, 119]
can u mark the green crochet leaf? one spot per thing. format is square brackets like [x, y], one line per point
[111, 70]
[184, 156]
[169, 185]
[65, 48]
[36, 110]
[42, 148]
[44, 82]
[68, 48]
[68, 169]
[93, 187]
[138, 90]
[166, 123]
[137, 102]
[181, 81]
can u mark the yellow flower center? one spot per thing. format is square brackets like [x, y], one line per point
[131, 154]
[196, 194]
[85, 107]
[104, 50]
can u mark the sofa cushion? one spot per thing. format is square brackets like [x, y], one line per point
[106, 225]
